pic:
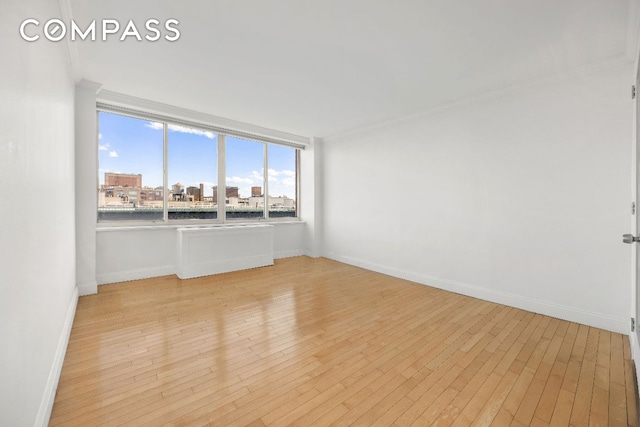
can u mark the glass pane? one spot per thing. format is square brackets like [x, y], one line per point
[245, 172]
[282, 181]
[192, 173]
[130, 153]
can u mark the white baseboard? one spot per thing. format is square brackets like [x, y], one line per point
[288, 254]
[141, 273]
[597, 320]
[87, 289]
[46, 405]
[312, 253]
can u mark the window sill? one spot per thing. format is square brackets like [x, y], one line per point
[120, 226]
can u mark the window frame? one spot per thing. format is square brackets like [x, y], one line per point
[221, 134]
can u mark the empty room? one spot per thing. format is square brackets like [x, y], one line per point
[272, 213]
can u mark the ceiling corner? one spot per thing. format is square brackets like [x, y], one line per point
[66, 14]
[633, 30]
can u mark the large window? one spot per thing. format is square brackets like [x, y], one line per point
[130, 156]
[283, 182]
[192, 172]
[245, 178]
[164, 171]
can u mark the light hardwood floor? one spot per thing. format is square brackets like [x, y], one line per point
[317, 342]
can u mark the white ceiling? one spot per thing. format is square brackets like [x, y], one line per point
[319, 68]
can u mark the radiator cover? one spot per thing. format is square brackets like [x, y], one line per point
[203, 251]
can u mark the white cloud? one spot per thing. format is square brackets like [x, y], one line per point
[103, 147]
[155, 125]
[182, 129]
[113, 153]
[273, 172]
[284, 177]
[289, 182]
[99, 136]
[238, 180]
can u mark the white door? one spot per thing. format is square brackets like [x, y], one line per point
[636, 258]
[629, 238]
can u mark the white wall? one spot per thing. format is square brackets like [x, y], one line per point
[141, 252]
[520, 198]
[289, 239]
[311, 196]
[86, 176]
[37, 247]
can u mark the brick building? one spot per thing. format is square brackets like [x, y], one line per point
[231, 192]
[122, 180]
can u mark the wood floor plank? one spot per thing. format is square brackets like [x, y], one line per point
[617, 404]
[495, 400]
[316, 342]
[473, 407]
[562, 411]
[582, 406]
[503, 418]
[548, 400]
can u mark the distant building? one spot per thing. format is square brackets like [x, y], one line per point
[122, 180]
[282, 202]
[256, 191]
[231, 192]
[195, 192]
[177, 191]
[151, 194]
[122, 189]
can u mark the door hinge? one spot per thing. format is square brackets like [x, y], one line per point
[633, 92]
[633, 208]
[633, 324]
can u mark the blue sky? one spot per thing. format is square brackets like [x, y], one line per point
[128, 145]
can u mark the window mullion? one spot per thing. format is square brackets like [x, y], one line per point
[165, 172]
[266, 182]
[297, 193]
[222, 179]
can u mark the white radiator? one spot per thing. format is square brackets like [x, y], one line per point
[211, 250]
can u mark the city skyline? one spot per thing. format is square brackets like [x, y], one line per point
[135, 146]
